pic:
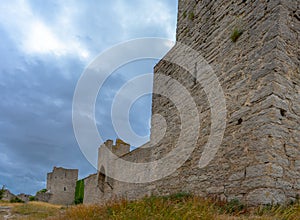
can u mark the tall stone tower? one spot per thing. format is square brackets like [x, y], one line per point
[61, 185]
[253, 47]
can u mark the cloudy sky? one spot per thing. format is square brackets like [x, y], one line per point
[45, 46]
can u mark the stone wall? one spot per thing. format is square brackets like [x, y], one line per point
[258, 160]
[133, 191]
[92, 193]
[7, 196]
[24, 197]
[259, 74]
[105, 188]
[43, 196]
[61, 184]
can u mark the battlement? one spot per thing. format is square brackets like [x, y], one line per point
[119, 149]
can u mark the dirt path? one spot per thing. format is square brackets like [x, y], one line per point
[5, 212]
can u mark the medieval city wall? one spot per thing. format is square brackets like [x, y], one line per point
[258, 160]
[253, 48]
[259, 74]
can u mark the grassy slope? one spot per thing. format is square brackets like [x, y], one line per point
[32, 210]
[178, 206]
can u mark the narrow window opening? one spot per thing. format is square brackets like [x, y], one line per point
[240, 121]
[282, 112]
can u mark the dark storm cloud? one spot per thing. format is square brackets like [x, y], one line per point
[36, 130]
[45, 46]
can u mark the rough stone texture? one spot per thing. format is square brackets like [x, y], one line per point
[61, 184]
[43, 196]
[258, 160]
[92, 193]
[260, 77]
[24, 197]
[7, 195]
[106, 188]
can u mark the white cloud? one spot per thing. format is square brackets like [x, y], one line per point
[155, 13]
[42, 40]
[33, 36]
[61, 37]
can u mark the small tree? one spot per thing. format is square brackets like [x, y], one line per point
[2, 190]
[31, 198]
[79, 192]
[16, 200]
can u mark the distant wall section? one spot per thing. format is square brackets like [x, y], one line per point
[61, 184]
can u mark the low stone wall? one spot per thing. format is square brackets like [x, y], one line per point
[43, 197]
[7, 195]
[23, 197]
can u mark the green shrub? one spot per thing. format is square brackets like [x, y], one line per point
[79, 192]
[42, 191]
[16, 200]
[78, 201]
[31, 198]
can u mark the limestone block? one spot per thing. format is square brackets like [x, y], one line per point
[264, 170]
[237, 176]
[215, 190]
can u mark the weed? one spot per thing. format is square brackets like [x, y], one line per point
[191, 16]
[236, 33]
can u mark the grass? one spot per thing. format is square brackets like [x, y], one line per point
[178, 206]
[148, 208]
[35, 211]
[8, 203]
